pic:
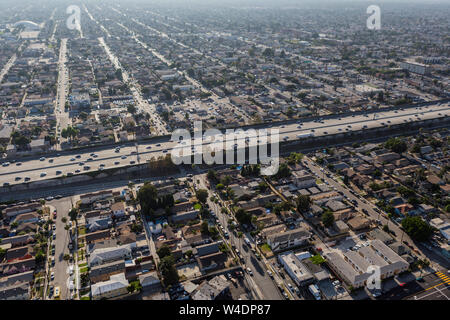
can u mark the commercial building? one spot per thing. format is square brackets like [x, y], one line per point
[415, 67]
[295, 269]
[351, 266]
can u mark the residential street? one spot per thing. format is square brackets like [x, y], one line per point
[264, 285]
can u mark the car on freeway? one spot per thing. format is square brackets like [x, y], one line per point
[49, 198]
[123, 157]
[5, 164]
[116, 163]
[18, 178]
[43, 174]
[27, 179]
[42, 159]
[58, 172]
[149, 147]
[72, 159]
[18, 163]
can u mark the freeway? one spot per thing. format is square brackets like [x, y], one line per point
[75, 162]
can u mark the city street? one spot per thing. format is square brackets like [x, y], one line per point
[63, 119]
[61, 268]
[264, 285]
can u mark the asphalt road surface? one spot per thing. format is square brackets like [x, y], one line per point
[32, 169]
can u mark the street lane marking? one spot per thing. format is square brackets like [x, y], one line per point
[442, 293]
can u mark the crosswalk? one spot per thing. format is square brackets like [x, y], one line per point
[443, 277]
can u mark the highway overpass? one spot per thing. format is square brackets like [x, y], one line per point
[330, 130]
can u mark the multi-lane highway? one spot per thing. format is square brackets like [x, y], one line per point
[77, 162]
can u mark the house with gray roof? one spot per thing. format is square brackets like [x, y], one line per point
[288, 239]
[150, 281]
[104, 271]
[18, 291]
[115, 286]
[105, 255]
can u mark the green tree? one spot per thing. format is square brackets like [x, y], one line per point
[212, 176]
[303, 203]
[283, 171]
[396, 145]
[148, 198]
[417, 228]
[168, 270]
[134, 286]
[73, 214]
[202, 195]
[327, 218]
[204, 228]
[243, 217]
[131, 109]
[164, 251]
